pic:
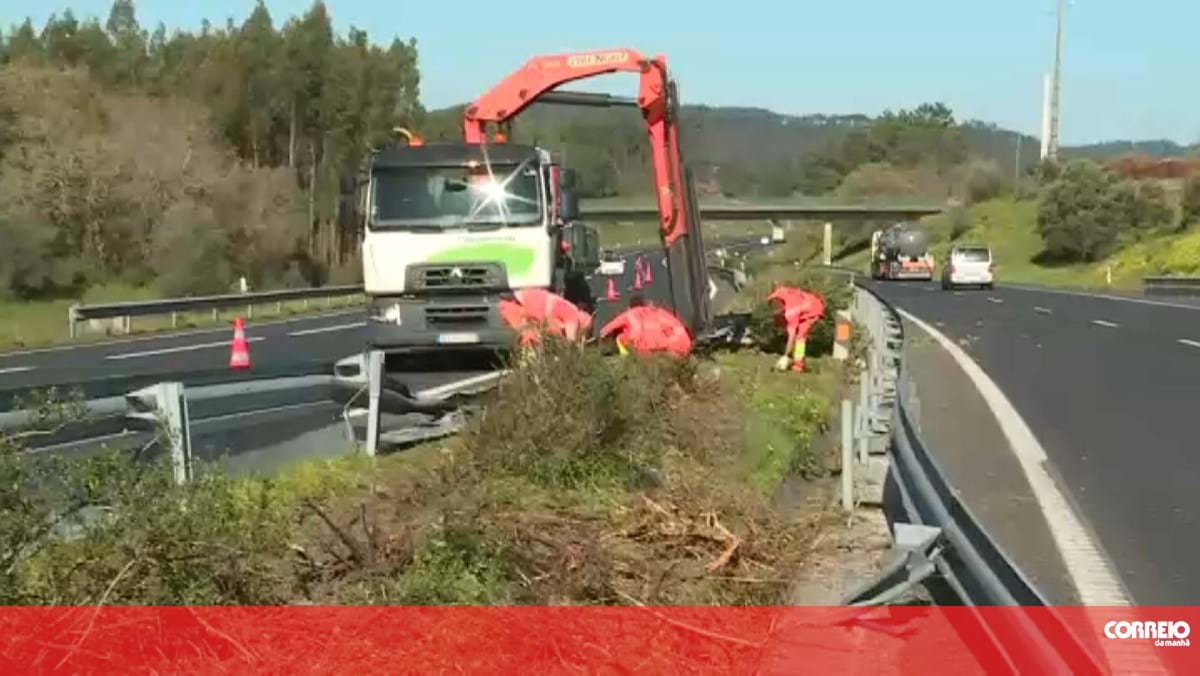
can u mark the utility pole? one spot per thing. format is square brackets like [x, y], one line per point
[1056, 85]
[1017, 163]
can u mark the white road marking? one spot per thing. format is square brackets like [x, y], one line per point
[442, 390]
[16, 369]
[1042, 310]
[995, 300]
[327, 329]
[1182, 341]
[1090, 570]
[1101, 322]
[169, 350]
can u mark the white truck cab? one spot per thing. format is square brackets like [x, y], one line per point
[451, 229]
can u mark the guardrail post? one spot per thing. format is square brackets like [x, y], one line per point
[214, 315]
[165, 406]
[864, 403]
[827, 247]
[250, 311]
[72, 320]
[279, 308]
[847, 456]
[374, 387]
[128, 325]
[174, 320]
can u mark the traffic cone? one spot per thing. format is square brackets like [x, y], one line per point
[637, 278]
[239, 356]
[648, 276]
[610, 293]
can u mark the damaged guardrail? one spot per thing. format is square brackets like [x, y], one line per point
[941, 543]
[162, 417]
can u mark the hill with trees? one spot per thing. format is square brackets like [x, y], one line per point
[190, 158]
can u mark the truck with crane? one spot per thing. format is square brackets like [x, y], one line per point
[901, 252]
[451, 229]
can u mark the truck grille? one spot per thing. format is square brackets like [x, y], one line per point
[455, 315]
[447, 277]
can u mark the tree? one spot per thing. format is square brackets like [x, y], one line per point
[1082, 213]
[258, 56]
[129, 41]
[23, 44]
[1145, 204]
[1190, 203]
[878, 179]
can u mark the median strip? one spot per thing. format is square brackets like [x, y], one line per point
[170, 350]
[1101, 322]
[328, 329]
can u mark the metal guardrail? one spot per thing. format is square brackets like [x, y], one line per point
[120, 416]
[80, 313]
[1171, 286]
[957, 554]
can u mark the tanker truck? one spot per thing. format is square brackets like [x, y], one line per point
[901, 252]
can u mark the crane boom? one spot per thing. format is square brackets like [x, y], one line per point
[658, 101]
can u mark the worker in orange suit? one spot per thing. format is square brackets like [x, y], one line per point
[536, 311]
[796, 311]
[647, 329]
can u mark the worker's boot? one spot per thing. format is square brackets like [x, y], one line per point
[798, 357]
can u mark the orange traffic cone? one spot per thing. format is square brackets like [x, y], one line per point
[648, 276]
[610, 293]
[239, 356]
[637, 278]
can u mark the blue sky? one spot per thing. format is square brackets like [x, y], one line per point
[1130, 68]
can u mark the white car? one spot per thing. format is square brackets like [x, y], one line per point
[969, 265]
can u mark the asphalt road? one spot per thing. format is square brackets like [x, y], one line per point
[1109, 387]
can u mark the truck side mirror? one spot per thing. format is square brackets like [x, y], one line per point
[568, 209]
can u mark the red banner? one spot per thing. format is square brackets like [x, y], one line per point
[598, 640]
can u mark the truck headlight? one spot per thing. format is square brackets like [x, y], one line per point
[385, 312]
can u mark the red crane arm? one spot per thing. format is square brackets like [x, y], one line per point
[541, 74]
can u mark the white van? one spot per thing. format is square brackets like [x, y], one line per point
[969, 265]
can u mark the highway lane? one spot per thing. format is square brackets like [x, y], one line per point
[1109, 386]
[299, 342]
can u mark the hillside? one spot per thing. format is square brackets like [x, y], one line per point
[758, 142]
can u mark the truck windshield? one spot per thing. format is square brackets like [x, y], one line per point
[445, 197]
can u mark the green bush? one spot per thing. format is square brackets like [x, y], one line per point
[1190, 203]
[460, 565]
[834, 289]
[1082, 213]
[573, 418]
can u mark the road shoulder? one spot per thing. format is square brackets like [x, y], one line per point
[960, 429]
